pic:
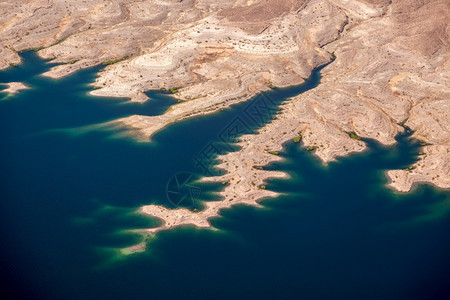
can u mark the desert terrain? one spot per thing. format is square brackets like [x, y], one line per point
[390, 69]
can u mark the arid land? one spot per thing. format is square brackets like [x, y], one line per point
[391, 69]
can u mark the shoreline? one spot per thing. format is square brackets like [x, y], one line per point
[237, 184]
[244, 185]
[389, 68]
[254, 151]
[14, 87]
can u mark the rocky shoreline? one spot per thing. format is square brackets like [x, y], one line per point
[391, 68]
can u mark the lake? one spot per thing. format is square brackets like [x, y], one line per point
[70, 189]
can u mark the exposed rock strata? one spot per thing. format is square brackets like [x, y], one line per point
[392, 66]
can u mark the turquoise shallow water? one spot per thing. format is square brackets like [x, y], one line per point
[68, 196]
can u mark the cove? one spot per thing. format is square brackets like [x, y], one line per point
[67, 201]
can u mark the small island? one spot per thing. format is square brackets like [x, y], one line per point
[15, 87]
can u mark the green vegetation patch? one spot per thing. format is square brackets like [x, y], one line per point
[402, 123]
[354, 136]
[60, 41]
[110, 62]
[173, 90]
[114, 61]
[297, 139]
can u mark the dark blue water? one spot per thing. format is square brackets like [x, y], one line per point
[69, 196]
